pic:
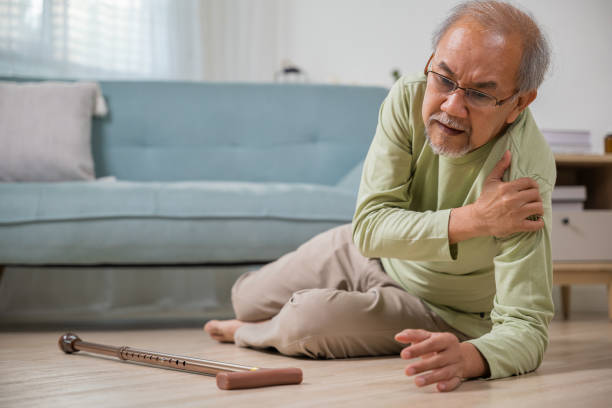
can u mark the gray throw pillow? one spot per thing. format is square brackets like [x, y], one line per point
[45, 131]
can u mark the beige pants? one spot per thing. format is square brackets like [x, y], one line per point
[326, 300]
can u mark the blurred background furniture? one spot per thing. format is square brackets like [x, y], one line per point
[582, 240]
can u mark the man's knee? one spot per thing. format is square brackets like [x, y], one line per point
[243, 300]
[326, 323]
[307, 324]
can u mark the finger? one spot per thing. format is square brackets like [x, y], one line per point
[523, 202]
[501, 166]
[528, 196]
[524, 183]
[438, 361]
[412, 336]
[531, 226]
[432, 345]
[445, 373]
[530, 209]
[449, 385]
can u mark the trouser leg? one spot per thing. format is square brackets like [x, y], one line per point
[329, 260]
[329, 323]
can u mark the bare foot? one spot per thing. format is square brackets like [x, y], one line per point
[222, 330]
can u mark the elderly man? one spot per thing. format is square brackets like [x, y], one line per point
[449, 249]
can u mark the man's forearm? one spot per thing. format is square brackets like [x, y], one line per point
[463, 224]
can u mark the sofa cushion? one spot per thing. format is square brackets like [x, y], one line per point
[178, 131]
[45, 131]
[149, 222]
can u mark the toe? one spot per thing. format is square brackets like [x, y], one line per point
[210, 326]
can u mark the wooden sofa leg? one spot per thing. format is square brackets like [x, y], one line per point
[565, 301]
[610, 301]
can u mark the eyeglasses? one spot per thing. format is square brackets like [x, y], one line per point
[473, 97]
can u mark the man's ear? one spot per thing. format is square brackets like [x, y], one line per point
[524, 99]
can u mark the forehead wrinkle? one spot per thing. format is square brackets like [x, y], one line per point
[446, 68]
[486, 85]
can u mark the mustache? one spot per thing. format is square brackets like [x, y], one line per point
[449, 121]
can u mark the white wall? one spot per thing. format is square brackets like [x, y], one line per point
[361, 41]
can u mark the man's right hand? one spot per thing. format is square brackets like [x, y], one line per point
[503, 207]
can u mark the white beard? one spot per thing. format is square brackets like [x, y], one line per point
[446, 152]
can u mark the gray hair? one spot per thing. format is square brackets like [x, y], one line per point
[504, 19]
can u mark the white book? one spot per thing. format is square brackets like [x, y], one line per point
[567, 206]
[567, 136]
[568, 193]
[571, 149]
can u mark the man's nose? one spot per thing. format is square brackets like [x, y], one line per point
[455, 105]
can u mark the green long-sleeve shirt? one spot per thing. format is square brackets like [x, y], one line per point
[496, 290]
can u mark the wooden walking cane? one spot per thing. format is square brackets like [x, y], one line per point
[229, 376]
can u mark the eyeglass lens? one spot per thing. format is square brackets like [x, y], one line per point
[472, 96]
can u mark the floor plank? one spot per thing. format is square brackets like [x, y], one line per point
[577, 371]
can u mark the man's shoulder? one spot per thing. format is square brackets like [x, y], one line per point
[532, 156]
[408, 87]
[415, 79]
[404, 103]
[412, 85]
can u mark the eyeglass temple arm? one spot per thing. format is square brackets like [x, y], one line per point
[427, 65]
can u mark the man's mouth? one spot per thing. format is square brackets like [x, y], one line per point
[449, 125]
[449, 130]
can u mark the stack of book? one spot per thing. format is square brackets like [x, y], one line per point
[568, 141]
[568, 198]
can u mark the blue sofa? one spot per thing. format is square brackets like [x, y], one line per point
[206, 173]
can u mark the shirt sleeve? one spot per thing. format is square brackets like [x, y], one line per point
[523, 306]
[383, 224]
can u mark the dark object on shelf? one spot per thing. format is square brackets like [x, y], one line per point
[290, 73]
[396, 74]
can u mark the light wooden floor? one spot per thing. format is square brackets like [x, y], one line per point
[577, 372]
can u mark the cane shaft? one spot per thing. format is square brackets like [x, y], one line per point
[191, 364]
[165, 360]
[94, 348]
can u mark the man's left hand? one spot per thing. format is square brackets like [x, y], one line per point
[449, 361]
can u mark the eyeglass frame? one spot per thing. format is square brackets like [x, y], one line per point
[465, 89]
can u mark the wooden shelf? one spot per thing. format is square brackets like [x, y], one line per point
[584, 159]
[585, 266]
[568, 273]
[591, 170]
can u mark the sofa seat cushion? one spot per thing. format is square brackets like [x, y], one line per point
[163, 223]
